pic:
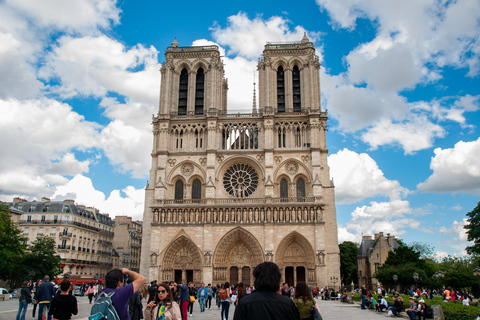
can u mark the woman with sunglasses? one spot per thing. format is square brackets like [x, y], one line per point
[163, 307]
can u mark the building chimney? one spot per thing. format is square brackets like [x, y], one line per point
[45, 199]
[69, 201]
[18, 200]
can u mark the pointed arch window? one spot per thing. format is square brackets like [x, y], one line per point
[196, 189]
[300, 190]
[179, 190]
[199, 91]
[280, 90]
[283, 189]
[183, 92]
[297, 101]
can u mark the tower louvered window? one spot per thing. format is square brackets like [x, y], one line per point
[297, 104]
[283, 189]
[280, 90]
[199, 91]
[300, 190]
[179, 190]
[183, 92]
[197, 189]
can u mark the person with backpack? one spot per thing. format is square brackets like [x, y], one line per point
[64, 304]
[224, 296]
[112, 302]
[304, 301]
[202, 296]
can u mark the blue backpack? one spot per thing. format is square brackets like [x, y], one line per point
[103, 308]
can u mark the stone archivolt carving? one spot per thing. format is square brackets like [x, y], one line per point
[291, 167]
[187, 169]
[295, 248]
[238, 248]
[182, 253]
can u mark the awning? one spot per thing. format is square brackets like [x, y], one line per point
[80, 281]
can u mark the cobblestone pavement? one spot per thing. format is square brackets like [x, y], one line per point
[331, 310]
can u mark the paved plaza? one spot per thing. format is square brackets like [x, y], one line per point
[330, 310]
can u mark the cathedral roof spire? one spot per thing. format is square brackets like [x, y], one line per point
[254, 106]
[175, 43]
[305, 38]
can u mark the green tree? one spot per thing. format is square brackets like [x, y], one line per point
[403, 255]
[473, 230]
[12, 248]
[42, 259]
[348, 262]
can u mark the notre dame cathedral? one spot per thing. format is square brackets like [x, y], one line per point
[229, 191]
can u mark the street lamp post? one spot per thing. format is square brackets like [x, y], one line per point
[334, 280]
[395, 279]
[416, 277]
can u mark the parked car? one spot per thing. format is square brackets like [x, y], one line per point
[77, 291]
[4, 291]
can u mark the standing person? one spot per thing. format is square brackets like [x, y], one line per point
[264, 303]
[241, 292]
[114, 281]
[35, 304]
[363, 292]
[209, 296]
[225, 300]
[202, 297]
[44, 296]
[285, 291]
[135, 304]
[184, 298]
[152, 291]
[90, 292]
[64, 304]
[217, 296]
[304, 301]
[23, 301]
[191, 297]
[163, 307]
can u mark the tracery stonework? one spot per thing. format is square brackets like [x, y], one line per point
[187, 169]
[291, 167]
[229, 191]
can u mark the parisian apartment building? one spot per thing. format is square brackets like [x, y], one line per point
[83, 236]
[127, 242]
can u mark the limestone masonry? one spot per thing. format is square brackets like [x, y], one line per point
[228, 191]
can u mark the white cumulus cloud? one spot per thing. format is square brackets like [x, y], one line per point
[357, 177]
[455, 169]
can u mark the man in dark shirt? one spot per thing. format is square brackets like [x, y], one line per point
[265, 303]
[285, 290]
[44, 296]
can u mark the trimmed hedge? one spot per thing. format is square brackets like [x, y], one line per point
[451, 310]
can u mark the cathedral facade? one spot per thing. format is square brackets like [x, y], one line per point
[229, 191]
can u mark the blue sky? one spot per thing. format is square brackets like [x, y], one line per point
[400, 80]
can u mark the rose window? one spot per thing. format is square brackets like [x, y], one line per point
[240, 180]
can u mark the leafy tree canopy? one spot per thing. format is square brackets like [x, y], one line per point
[42, 259]
[348, 262]
[11, 244]
[473, 230]
[403, 255]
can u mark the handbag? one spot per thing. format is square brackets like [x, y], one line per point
[315, 314]
[192, 299]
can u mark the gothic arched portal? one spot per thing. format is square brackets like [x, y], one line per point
[237, 253]
[182, 261]
[296, 258]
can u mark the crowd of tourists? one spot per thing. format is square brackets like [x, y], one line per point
[126, 296]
